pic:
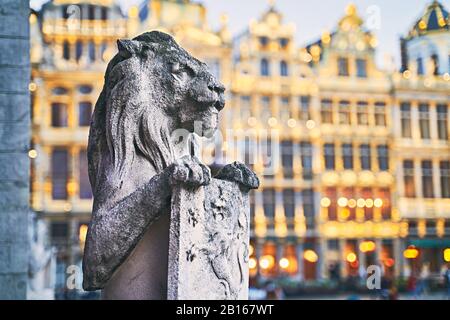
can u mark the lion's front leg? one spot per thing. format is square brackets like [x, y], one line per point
[240, 173]
[190, 171]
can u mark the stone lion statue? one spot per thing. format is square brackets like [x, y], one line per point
[152, 87]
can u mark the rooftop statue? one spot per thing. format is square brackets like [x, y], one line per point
[152, 88]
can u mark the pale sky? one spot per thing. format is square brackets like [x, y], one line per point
[312, 17]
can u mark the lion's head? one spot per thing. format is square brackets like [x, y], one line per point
[152, 87]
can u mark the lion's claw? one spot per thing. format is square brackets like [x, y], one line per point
[240, 173]
[190, 171]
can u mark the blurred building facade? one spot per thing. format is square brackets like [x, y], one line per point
[354, 160]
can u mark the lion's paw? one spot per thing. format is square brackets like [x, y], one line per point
[190, 171]
[240, 173]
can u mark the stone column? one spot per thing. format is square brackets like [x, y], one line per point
[14, 145]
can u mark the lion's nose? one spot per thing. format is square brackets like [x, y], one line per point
[216, 86]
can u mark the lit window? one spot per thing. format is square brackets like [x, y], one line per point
[326, 111]
[424, 121]
[442, 122]
[344, 112]
[445, 179]
[304, 108]
[362, 113]
[380, 114]
[408, 179]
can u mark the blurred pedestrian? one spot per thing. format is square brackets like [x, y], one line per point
[446, 276]
[422, 283]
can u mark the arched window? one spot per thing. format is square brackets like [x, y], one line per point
[435, 61]
[92, 51]
[78, 50]
[283, 68]
[264, 67]
[66, 50]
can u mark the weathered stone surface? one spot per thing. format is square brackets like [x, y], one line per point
[14, 141]
[209, 243]
[153, 88]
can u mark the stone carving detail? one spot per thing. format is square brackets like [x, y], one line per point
[217, 248]
[152, 88]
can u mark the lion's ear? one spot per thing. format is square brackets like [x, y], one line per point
[127, 48]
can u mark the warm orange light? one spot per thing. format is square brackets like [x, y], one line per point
[250, 250]
[252, 263]
[378, 203]
[83, 232]
[325, 202]
[266, 262]
[351, 257]
[352, 203]
[447, 255]
[284, 263]
[360, 203]
[342, 202]
[310, 256]
[367, 246]
[389, 262]
[411, 252]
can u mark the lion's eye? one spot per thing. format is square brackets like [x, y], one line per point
[175, 67]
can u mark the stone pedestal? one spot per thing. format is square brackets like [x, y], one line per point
[208, 243]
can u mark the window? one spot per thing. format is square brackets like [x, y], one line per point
[380, 114]
[289, 202]
[84, 114]
[343, 67]
[344, 112]
[91, 12]
[59, 91]
[104, 13]
[285, 109]
[265, 67]
[408, 177]
[85, 89]
[245, 111]
[435, 62]
[424, 121]
[445, 178]
[266, 112]
[287, 158]
[362, 113]
[66, 50]
[304, 108]
[347, 155]
[329, 156]
[284, 42]
[85, 187]
[331, 193]
[283, 69]
[405, 116]
[383, 157]
[420, 70]
[59, 115]
[306, 157]
[263, 41]
[269, 203]
[361, 68]
[365, 157]
[78, 50]
[250, 152]
[104, 46]
[308, 207]
[427, 179]
[442, 122]
[91, 51]
[266, 155]
[59, 174]
[59, 231]
[326, 112]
